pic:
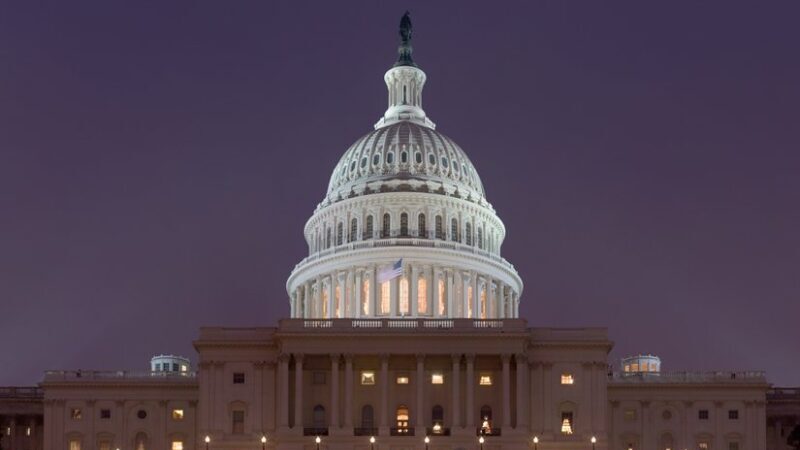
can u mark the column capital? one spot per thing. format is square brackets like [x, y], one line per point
[505, 357]
[283, 358]
[298, 357]
[469, 358]
[456, 358]
[384, 357]
[688, 403]
[718, 404]
[521, 358]
[587, 364]
[335, 357]
[420, 357]
[348, 358]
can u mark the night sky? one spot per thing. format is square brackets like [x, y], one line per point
[158, 161]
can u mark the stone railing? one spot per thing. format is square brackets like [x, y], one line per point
[99, 375]
[780, 393]
[400, 325]
[21, 392]
[688, 377]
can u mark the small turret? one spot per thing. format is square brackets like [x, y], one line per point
[641, 364]
[170, 364]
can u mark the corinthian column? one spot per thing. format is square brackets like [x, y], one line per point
[298, 391]
[335, 391]
[456, 375]
[420, 382]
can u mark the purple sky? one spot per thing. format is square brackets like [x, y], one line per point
[158, 162]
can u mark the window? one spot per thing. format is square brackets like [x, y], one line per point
[376, 159]
[367, 378]
[76, 414]
[353, 230]
[238, 378]
[422, 296]
[566, 378]
[702, 414]
[142, 414]
[402, 419]
[74, 444]
[733, 414]
[105, 413]
[140, 442]
[177, 445]
[319, 417]
[486, 419]
[483, 304]
[387, 225]
[339, 233]
[418, 157]
[104, 445]
[238, 421]
[567, 422]
[158, 367]
[368, 233]
[404, 157]
[404, 224]
[454, 230]
[437, 419]
[363, 162]
[437, 378]
[177, 414]
[442, 305]
[390, 156]
[431, 159]
[703, 446]
[367, 417]
[480, 238]
[485, 380]
[439, 227]
[402, 379]
[630, 414]
[468, 226]
[328, 238]
[385, 297]
[421, 231]
[27, 431]
[403, 300]
[733, 446]
[365, 298]
[318, 378]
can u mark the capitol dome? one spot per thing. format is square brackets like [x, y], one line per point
[404, 230]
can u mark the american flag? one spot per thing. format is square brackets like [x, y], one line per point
[387, 273]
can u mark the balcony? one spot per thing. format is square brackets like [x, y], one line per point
[488, 431]
[401, 431]
[624, 378]
[315, 431]
[365, 431]
[437, 431]
[432, 325]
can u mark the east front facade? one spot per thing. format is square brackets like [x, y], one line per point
[404, 333]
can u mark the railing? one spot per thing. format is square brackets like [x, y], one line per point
[440, 431]
[688, 377]
[783, 394]
[488, 431]
[21, 392]
[315, 431]
[401, 431]
[365, 431]
[77, 375]
[427, 325]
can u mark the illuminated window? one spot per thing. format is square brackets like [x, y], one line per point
[567, 378]
[634, 367]
[325, 302]
[337, 297]
[627, 368]
[385, 297]
[76, 414]
[365, 298]
[437, 378]
[422, 296]
[470, 313]
[177, 414]
[402, 380]
[402, 419]
[703, 446]
[404, 309]
[74, 444]
[442, 305]
[104, 445]
[733, 446]
[483, 304]
[566, 423]
[184, 368]
[367, 378]
[27, 431]
[177, 445]
[630, 414]
[485, 380]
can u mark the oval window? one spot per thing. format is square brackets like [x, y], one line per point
[363, 162]
[418, 157]
[389, 158]
[404, 157]
[444, 162]
[376, 159]
[352, 166]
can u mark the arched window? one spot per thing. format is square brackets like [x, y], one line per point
[486, 419]
[339, 233]
[404, 157]
[385, 297]
[469, 233]
[140, 441]
[328, 239]
[442, 304]
[437, 418]
[422, 296]
[368, 233]
[404, 309]
[353, 230]
[567, 422]
[367, 417]
[454, 230]
[365, 298]
[470, 312]
[337, 301]
[319, 417]
[402, 419]
[387, 225]
[439, 228]
[480, 238]
[484, 307]
[404, 224]
[389, 158]
[421, 226]
[325, 311]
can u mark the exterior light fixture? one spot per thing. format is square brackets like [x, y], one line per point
[371, 442]
[427, 441]
[481, 440]
[207, 440]
[317, 440]
[594, 441]
[536, 443]
[263, 442]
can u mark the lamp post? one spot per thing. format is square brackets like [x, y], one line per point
[594, 441]
[263, 442]
[318, 440]
[427, 441]
[536, 443]
[481, 440]
[372, 443]
[207, 440]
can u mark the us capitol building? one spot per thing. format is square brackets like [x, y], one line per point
[404, 333]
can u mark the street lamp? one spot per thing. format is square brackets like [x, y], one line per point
[536, 443]
[318, 440]
[263, 442]
[481, 440]
[372, 443]
[207, 439]
[427, 441]
[594, 441]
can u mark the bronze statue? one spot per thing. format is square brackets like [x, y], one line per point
[405, 49]
[405, 27]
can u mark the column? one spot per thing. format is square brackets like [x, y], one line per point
[718, 438]
[449, 292]
[433, 292]
[283, 391]
[307, 300]
[348, 295]
[383, 423]
[348, 391]
[501, 302]
[298, 391]
[331, 282]
[584, 381]
[645, 425]
[258, 396]
[547, 391]
[470, 391]
[394, 296]
[375, 292]
[342, 288]
[359, 287]
[476, 296]
[412, 292]
[420, 382]
[687, 410]
[535, 415]
[465, 294]
[456, 375]
[335, 391]
[522, 369]
[506, 390]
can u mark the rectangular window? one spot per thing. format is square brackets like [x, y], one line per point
[385, 297]
[702, 414]
[437, 378]
[318, 378]
[177, 445]
[174, 367]
[238, 422]
[75, 414]
[485, 380]
[238, 378]
[177, 414]
[105, 413]
[402, 380]
[566, 378]
[630, 414]
[367, 378]
[733, 414]
[158, 367]
[74, 444]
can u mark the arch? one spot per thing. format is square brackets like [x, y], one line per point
[666, 441]
[454, 230]
[365, 297]
[387, 225]
[353, 230]
[439, 227]
[404, 224]
[368, 234]
[318, 417]
[367, 417]
[567, 412]
[421, 226]
[141, 441]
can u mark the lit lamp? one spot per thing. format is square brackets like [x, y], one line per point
[437, 428]
[372, 443]
[208, 440]
[536, 443]
[263, 442]
[594, 441]
[318, 440]
[427, 441]
[481, 440]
